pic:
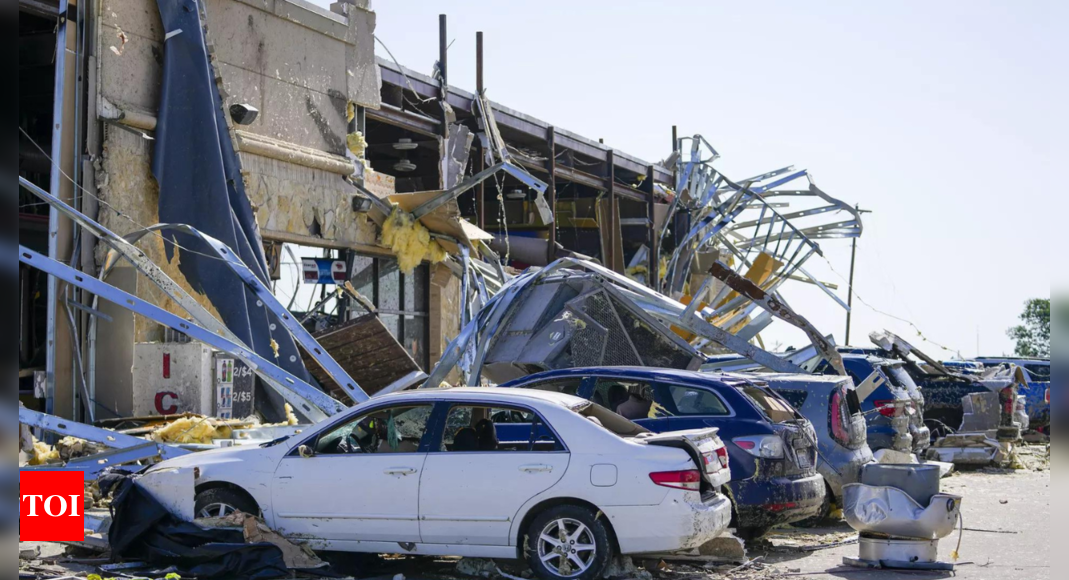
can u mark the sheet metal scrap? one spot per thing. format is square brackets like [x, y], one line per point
[778, 308]
[995, 378]
[577, 313]
[716, 204]
[125, 247]
[122, 449]
[306, 399]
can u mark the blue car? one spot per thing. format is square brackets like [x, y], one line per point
[772, 449]
[890, 400]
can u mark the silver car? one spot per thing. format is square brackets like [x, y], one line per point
[831, 405]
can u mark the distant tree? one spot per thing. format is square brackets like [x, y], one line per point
[1033, 337]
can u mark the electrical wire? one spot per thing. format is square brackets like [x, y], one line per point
[112, 208]
[887, 314]
[400, 68]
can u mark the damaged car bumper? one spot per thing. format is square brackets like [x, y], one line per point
[671, 526]
[846, 469]
[792, 500]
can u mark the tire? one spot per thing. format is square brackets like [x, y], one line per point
[582, 527]
[222, 501]
[752, 533]
[823, 517]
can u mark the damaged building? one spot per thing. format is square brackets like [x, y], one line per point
[281, 167]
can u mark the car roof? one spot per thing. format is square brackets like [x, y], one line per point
[496, 394]
[641, 373]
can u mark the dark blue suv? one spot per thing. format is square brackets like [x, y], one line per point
[772, 449]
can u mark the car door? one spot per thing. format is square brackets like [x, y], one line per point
[634, 399]
[485, 464]
[360, 481]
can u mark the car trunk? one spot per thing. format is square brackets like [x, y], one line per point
[798, 435]
[705, 448]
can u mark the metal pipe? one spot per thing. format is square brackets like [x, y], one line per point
[551, 190]
[610, 252]
[443, 58]
[480, 194]
[850, 289]
[653, 266]
[55, 178]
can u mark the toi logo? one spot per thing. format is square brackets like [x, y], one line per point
[50, 506]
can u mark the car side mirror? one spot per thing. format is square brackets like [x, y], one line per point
[305, 451]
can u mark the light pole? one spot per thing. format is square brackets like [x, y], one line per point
[850, 291]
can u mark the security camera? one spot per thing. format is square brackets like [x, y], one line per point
[244, 114]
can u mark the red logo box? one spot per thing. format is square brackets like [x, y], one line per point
[50, 506]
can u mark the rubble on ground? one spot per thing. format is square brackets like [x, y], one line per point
[296, 557]
[970, 449]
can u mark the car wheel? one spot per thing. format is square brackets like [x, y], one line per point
[752, 533]
[823, 517]
[220, 502]
[568, 542]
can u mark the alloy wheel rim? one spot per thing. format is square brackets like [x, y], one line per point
[216, 510]
[567, 547]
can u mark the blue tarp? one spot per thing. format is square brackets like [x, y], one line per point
[200, 182]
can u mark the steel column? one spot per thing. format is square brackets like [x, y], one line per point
[654, 263]
[610, 179]
[55, 181]
[480, 193]
[551, 189]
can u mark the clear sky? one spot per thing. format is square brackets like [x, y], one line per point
[941, 117]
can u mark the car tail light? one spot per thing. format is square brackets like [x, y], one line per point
[722, 455]
[838, 411]
[781, 507]
[887, 408]
[763, 446]
[689, 480]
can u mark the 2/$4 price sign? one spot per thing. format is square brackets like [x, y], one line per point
[50, 506]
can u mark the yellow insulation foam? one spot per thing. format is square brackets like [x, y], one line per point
[43, 453]
[410, 241]
[191, 430]
[356, 143]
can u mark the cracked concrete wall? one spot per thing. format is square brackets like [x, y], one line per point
[126, 185]
[291, 199]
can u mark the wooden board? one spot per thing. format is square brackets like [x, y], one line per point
[367, 351]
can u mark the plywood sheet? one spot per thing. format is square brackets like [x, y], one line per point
[367, 351]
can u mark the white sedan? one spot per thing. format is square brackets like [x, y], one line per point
[478, 472]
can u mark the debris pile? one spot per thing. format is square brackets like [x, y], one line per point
[971, 449]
